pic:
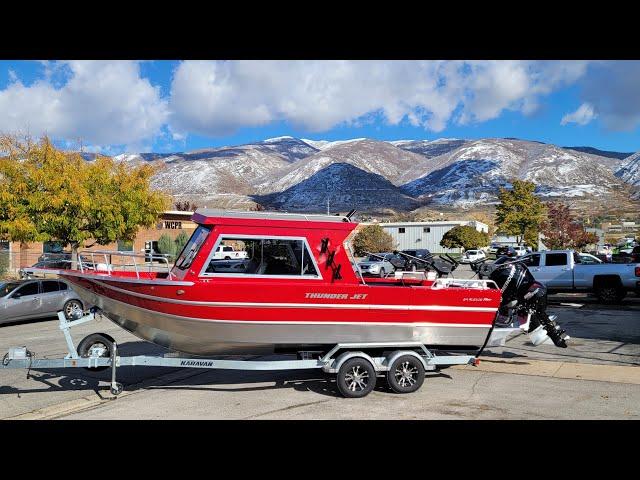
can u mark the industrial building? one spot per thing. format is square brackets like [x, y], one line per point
[412, 235]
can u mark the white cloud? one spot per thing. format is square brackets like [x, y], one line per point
[583, 115]
[217, 98]
[100, 102]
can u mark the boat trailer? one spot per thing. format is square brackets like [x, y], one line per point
[356, 365]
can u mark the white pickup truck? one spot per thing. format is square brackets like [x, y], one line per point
[225, 252]
[563, 271]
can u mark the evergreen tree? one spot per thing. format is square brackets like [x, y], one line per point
[180, 241]
[166, 246]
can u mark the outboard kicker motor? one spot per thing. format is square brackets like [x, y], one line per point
[523, 297]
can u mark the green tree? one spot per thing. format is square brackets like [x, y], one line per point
[180, 241]
[167, 246]
[519, 212]
[47, 194]
[372, 238]
[464, 236]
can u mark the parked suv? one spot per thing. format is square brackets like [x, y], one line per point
[31, 299]
[506, 252]
[379, 265]
[414, 265]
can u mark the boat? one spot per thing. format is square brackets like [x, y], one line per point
[298, 286]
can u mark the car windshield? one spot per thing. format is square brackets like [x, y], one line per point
[376, 258]
[472, 252]
[7, 288]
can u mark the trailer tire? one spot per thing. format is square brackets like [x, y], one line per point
[406, 374]
[97, 339]
[356, 378]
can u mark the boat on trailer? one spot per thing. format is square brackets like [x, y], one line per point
[296, 288]
[299, 285]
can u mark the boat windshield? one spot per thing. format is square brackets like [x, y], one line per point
[7, 288]
[192, 247]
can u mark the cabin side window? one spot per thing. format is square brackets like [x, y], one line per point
[263, 256]
[192, 247]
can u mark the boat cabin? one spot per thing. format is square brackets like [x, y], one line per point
[268, 245]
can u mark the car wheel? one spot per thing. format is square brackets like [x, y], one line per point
[382, 273]
[70, 307]
[414, 268]
[610, 294]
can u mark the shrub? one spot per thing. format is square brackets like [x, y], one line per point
[372, 238]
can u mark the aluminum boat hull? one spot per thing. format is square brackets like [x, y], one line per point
[211, 336]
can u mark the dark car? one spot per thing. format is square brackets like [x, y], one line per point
[414, 265]
[635, 254]
[506, 251]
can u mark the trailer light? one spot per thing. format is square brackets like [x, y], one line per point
[637, 271]
[476, 362]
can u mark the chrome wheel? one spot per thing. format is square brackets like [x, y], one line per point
[356, 379]
[71, 308]
[406, 375]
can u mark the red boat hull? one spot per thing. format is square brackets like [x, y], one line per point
[209, 318]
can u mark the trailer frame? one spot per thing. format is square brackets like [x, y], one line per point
[330, 362]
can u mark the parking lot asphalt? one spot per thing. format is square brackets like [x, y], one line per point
[597, 376]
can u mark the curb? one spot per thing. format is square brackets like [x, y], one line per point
[568, 370]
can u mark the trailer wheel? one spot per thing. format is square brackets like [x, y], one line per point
[98, 340]
[356, 378]
[117, 390]
[406, 374]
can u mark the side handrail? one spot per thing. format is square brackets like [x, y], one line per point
[163, 260]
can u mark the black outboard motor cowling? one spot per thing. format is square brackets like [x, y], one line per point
[523, 295]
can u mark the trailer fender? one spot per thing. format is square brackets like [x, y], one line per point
[398, 353]
[334, 365]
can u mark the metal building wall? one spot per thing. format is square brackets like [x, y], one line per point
[415, 237]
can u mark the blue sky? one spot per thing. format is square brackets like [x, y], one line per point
[116, 106]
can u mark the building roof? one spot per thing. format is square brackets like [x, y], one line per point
[434, 223]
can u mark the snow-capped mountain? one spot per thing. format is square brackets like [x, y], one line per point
[294, 174]
[629, 172]
[431, 148]
[380, 158]
[475, 171]
[344, 186]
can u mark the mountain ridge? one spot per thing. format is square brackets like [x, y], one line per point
[281, 172]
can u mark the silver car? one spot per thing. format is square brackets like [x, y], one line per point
[32, 299]
[377, 265]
